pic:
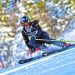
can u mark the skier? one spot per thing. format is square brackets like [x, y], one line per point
[32, 31]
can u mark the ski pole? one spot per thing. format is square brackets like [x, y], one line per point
[1, 61]
[46, 40]
[66, 40]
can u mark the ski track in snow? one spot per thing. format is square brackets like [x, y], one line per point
[53, 64]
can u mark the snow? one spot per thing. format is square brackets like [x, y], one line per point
[57, 64]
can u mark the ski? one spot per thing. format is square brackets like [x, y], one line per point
[44, 54]
[34, 58]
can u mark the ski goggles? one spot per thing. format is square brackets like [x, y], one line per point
[25, 24]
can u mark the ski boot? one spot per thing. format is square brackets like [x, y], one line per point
[66, 45]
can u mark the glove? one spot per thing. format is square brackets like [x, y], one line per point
[32, 41]
[32, 50]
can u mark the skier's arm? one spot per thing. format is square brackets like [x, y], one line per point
[26, 39]
[36, 25]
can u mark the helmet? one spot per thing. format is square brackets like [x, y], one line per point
[24, 19]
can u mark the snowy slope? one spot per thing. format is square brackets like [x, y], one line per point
[62, 63]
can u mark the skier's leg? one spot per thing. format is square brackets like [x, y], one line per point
[46, 36]
[58, 43]
[53, 41]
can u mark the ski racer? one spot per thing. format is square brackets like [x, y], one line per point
[32, 31]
